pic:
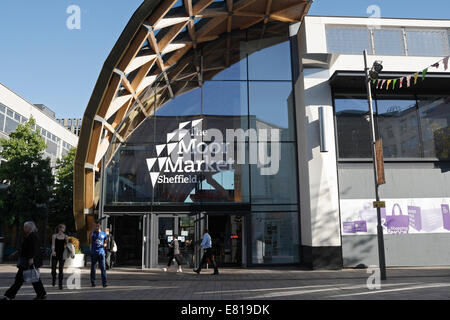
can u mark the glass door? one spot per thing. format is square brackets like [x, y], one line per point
[166, 231]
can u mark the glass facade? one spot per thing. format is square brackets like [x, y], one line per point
[240, 124]
[412, 127]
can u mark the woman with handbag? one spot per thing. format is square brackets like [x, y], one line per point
[30, 261]
[59, 242]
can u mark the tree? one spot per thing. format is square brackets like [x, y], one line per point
[62, 204]
[27, 174]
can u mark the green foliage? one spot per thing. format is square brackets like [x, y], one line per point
[27, 174]
[62, 206]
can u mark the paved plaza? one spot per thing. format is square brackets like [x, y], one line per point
[245, 284]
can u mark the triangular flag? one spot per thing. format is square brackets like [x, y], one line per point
[374, 80]
[382, 84]
[446, 63]
[378, 83]
[415, 78]
[401, 82]
[436, 65]
[424, 74]
[408, 81]
[393, 85]
[388, 83]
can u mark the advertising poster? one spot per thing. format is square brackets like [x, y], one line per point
[401, 216]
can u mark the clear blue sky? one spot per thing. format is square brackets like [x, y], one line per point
[47, 63]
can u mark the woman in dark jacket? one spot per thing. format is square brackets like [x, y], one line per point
[30, 254]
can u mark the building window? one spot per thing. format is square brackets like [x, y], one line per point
[10, 125]
[2, 122]
[348, 40]
[272, 63]
[17, 117]
[398, 126]
[353, 129]
[427, 42]
[2, 108]
[434, 115]
[409, 128]
[389, 42]
[10, 113]
[275, 238]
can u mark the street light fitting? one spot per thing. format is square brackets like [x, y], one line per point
[377, 67]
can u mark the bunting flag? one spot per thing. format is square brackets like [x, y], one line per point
[380, 82]
[424, 74]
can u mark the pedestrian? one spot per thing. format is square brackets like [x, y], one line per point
[207, 254]
[59, 242]
[111, 249]
[98, 244]
[30, 257]
[174, 252]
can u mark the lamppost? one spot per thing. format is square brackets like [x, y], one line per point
[372, 74]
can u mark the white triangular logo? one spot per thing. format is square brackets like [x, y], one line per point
[182, 134]
[151, 163]
[154, 176]
[183, 124]
[171, 147]
[171, 135]
[196, 122]
[162, 162]
[160, 148]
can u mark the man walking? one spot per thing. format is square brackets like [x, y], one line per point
[98, 244]
[207, 254]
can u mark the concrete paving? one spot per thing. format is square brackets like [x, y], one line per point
[244, 284]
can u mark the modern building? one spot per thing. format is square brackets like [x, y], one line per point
[15, 110]
[71, 124]
[248, 118]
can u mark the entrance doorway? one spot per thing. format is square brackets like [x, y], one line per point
[182, 227]
[227, 234]
[127, 231]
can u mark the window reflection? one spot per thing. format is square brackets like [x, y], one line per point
[280, 188]
[435, 123]
[275, 238]
[271, 106]
[352, 127]
[272, 63]
[399, 128]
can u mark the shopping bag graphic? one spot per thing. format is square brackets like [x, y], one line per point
[415, 217]
[446, 216]
[349, 227]
[426, 220]
[398, 224]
